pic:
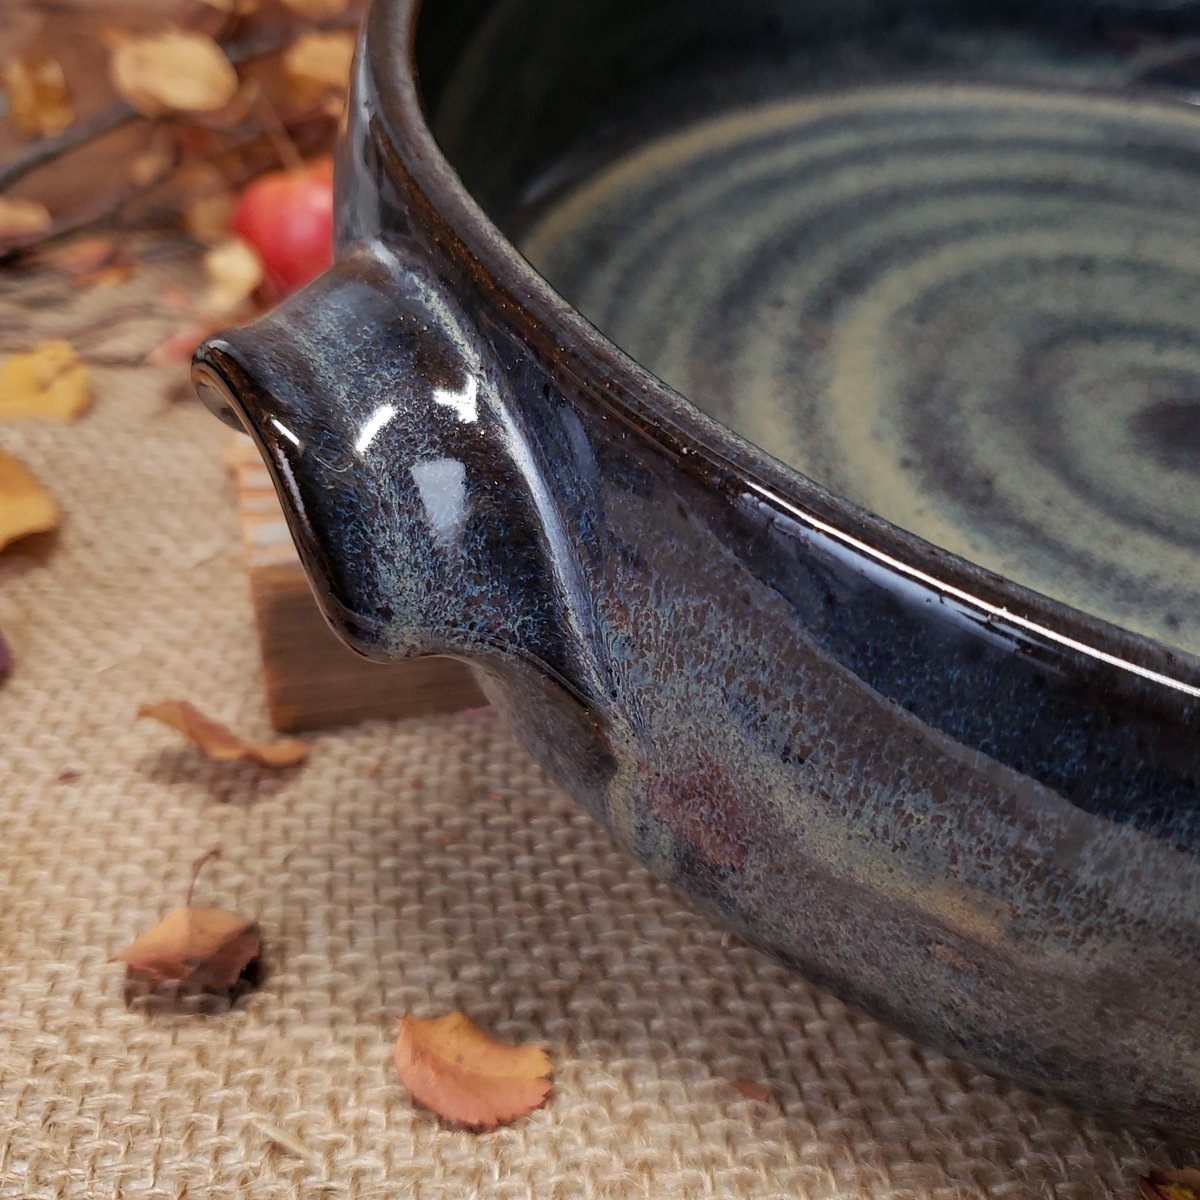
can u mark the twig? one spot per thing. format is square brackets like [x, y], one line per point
[41, 153]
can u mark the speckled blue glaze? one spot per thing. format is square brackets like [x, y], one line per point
[968, 809]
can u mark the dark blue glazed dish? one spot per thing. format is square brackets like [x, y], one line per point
[909, 695]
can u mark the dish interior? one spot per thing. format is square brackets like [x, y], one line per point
[942, 258]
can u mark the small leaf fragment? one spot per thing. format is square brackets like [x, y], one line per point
[172, 72]
[20, 218]
[25, 506]
[234, 272]
[219, 742]
[750, 1089]
[1180, 1184]
[208, 947]
[47, 383]
[38, 102]
[451, 1066]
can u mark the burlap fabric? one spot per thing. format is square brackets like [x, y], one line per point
[421, 867]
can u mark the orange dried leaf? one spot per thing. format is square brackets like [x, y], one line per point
[219, 742]
[81, 257]
[316, 10]
[38, 102]
[48, 383]
[234, 273]
[173, 72]
[25, 506]
[1181, 1184]
[205, 946]
[19, 218]
[318, 64]
[454, 1068]
[750, 1089]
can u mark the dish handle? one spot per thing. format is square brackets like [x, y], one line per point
[410, 488]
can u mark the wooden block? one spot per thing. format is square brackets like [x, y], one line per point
[312, 679]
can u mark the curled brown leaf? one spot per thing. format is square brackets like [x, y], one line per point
[451, 1066]
[218, 741]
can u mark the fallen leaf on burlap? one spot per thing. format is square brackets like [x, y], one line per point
[219, 742]
[47, 383]
[172, 72]
[317, 66]
[38, 102]
[316, 10]
[1181, 1184]
[25, 506]
[207, 947]
[234, 273]
[451, 1066]
[19, 218]
[750, 1089]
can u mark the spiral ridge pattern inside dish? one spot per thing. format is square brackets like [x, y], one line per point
[973, 310]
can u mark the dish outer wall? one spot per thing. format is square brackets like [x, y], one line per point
[961, 807]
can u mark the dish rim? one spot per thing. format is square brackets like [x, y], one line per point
[697, 442]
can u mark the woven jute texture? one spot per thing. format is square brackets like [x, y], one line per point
[416, 867]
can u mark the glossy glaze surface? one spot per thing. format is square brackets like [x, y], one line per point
[965, 808]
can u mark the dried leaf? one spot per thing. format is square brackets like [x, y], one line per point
[206, 946]
[154, 163]
[19, 218]
[234, 272]
[316, 10]
[38, 102]
[48, 383]
[219, 742]
[208, 219]
[241, 7]
[180, 346]
[173, 72]
[25, 506]
[750, 1089]
[454, 1068]
[317, 65]
[1181, 1184]
[81, 257]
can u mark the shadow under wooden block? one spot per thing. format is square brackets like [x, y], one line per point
[312, 679]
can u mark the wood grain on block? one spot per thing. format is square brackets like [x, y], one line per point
[312, 680]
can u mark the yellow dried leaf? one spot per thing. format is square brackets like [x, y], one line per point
[452, 1067]
[173, 72]
[234, 273]
[1180, 1184]
[48, 383]
[38, 102]
[219, 742]
[318, 64]
[19, 218]
[25, 506]
[316, 10]
[206, 946]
